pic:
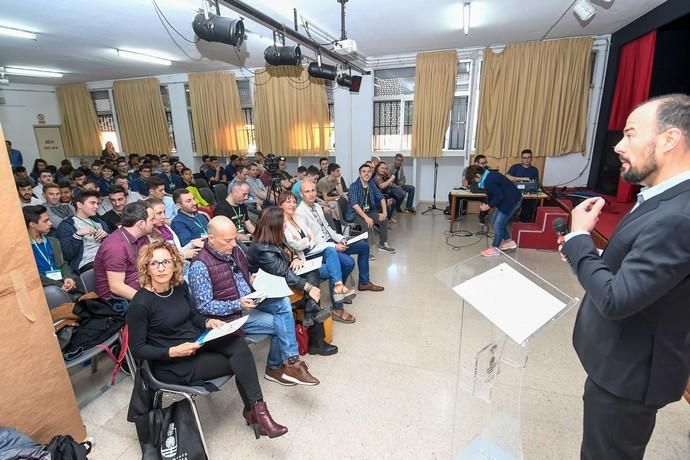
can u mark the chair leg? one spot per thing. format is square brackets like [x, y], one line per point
[198, 423]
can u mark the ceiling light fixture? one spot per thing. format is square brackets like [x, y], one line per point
[30, 72]
[466, 17]
[347, 80]
[214, 28]
[143, 57]
[583, 10]
[18, 33]
[283, 55]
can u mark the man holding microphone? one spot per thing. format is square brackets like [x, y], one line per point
[632, 332]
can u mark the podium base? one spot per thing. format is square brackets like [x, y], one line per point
[482, 449]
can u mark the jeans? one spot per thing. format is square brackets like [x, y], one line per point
[383, 226]
[409, 189]
[398, 194]
[274, 317]
[500, 224]
[361, 250]
[336, 263]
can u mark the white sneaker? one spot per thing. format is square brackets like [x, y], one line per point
[385, 248]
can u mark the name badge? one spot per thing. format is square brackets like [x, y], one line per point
[366, 208]
[203, 235]
[55, 275]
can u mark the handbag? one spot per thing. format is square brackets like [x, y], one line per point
[302, 339]
[173, 434]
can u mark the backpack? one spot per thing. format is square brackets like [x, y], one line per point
[66, 448]
[97, 322]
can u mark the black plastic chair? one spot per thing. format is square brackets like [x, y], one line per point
[187, 392]
[88, 278]
[201, 183]
[221, 192]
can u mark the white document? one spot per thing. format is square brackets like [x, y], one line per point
[271, 286]
[219, 332]
[361, 236]
[309, 265]
[511, 301]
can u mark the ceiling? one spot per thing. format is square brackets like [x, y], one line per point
[80, 39]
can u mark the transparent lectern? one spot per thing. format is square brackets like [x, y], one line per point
[494, 337]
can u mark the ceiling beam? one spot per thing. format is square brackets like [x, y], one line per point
[267, 21]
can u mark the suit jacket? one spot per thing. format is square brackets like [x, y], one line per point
[632, 332]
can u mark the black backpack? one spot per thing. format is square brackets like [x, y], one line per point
[97, 322]
[66, 448]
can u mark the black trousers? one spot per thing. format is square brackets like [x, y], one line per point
[229, 355]
[613, 427]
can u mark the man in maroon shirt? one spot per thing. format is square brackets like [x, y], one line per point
[115, 267]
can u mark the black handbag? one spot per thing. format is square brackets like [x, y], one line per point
[173, 434]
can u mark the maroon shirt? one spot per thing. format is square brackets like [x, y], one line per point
[118, 253]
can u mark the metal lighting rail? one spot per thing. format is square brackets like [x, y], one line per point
[267, 21]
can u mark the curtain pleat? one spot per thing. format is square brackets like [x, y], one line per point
[291, 112]
[141, 116]
[435, 82]
[219, 127]
[81, 135]
[535, 95]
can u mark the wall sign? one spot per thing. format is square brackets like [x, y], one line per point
[49, 141]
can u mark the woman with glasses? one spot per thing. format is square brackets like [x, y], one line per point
[164, 328]
[303, 244]
[163, 232]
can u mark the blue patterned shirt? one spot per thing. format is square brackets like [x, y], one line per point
[370, 196]
[202, 289]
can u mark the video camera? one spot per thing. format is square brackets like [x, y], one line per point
[271, 164]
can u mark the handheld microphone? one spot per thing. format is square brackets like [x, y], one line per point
[560, 226]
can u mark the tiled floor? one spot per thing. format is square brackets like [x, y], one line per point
[392, 390]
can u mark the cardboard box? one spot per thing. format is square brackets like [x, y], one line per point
[36, 395]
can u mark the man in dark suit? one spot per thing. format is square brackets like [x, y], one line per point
[632, 332]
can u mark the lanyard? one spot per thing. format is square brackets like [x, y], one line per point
[366, 196]
[238, 215]
[198, 224]
[170, 179]
[89, 223]
[318, 219]
[44, 255]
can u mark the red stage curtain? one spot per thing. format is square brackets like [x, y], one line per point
[634, 78]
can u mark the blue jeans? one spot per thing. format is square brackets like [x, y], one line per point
[361, 250]
[337, 263]
[274, 317]
[409, 189]
[500, 224]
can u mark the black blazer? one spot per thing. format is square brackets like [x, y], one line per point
[632, 332]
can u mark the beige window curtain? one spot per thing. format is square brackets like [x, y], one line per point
[435, 82]
[81, 135]
[219, 127]
[535, 95]
[291, 112]
[141, 116]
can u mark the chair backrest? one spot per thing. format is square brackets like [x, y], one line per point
[342, 207]
[207, 194]
[221, 191]
[56, 296]
[89, 280]
[201, 183]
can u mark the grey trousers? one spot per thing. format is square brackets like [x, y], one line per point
[383, 226]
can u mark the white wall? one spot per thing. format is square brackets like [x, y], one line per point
[18, 115]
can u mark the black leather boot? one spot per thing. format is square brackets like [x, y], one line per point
[317, 346]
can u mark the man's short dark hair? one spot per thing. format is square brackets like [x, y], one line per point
[322, 159]
[178, 193]
[205, 158]
[365, 165]
[120, 160]
[213, 158]
[84, 194]
[165, 160]
[109, 168]
[155, 182]
[479, 157]
[144, 165]
[33, 213]
[232, 158]
[65, 184]
[78, 173]
[302, 169]
[313, 171]
[91, 181]
[398, 155]
[333, 167]
[673, 112]
[185, 170]
[117, 189]
[97, 163]
[23, 182]
[19, 169]
[526, 151]
[134, 212]
[46, 187]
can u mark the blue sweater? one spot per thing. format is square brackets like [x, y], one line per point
[188, 228]
[501, 192]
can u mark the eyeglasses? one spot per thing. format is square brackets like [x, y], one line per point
[157, 263]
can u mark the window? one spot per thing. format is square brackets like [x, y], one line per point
[189, 116]
[458, 118]
[248, 114]
[407, 126]
[331, 126]
[168, 116]
[106, 120]
[386, 125]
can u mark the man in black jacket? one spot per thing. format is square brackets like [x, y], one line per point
[632, 331]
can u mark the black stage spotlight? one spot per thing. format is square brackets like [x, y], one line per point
[325, 71]
[350, 81]
[283, 55]
[219, 29]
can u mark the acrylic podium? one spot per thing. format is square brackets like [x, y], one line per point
[504, 305]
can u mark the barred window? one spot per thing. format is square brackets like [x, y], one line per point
[458, 124]
[386, 125]
[106, 120]
[331, 126]
[407, 126]
[248, 114]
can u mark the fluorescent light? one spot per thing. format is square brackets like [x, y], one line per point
[466, 17]
[29, 72]
[11, 32]
[143, 57]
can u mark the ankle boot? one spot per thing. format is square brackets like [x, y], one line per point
[248, 416]
[317, 345]
[265, 425]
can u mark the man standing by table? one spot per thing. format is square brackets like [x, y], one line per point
[632, 330]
